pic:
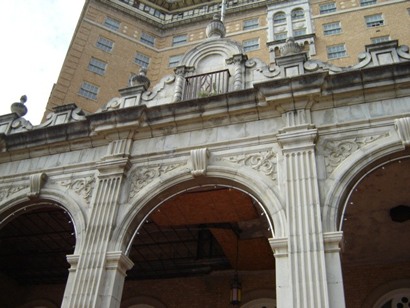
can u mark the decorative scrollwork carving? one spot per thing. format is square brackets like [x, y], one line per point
[5, 192]
[337, 151]
[264, 162]
[82, 186]
[144, 175]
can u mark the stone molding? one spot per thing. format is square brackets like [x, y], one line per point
[402, 127]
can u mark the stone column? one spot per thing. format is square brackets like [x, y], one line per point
[180, 72]
[305, 238]
[93, 277]
[334, 269]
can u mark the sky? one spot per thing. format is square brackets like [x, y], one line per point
[35, 35]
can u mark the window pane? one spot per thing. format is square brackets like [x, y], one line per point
[297, 14]
[142, 60]
[374, 20]
[147, 39]
[336, 51]
[174, 60]
[327, 8]
[367, 2]
[299, 32]
[179, 40]
[332, 28]
[112, 23]
[279, 18]
[251, 44]
[97, 66]
[281, 36]
[380, 39]
[250, 24]
[105, 44]
[88, 90]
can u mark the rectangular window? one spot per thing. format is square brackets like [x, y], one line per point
[376, 40]
[97, 66]
[252, 44]
[250, 24]
[89, 90]
[147, 39]
[332, 28]
[299, 32]
[112, 23]
[142, 60]
[327, 8]
[174, 60]
[367, 2]
[281, 36]
[336, 51]
[374, 20]
[105, 44]
[179, 40]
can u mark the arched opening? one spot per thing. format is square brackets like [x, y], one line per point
[34, 242]
[188, 249]
[376, 228]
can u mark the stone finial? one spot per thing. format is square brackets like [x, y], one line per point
[19, 108]
[141, 79]
[290, 47]
[216, 28]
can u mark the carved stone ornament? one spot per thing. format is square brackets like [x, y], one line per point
[337, 151]
[264, 162]
[199, 161]
[403, 129]
[144, 175]
[36, 183]
[83, 186]
[10, 190]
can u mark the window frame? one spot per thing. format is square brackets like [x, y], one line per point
[142, 59]
[296, 34]
[147, 39]
[174, 60]
[282, 20]
[251, 47]
[105, 44]
[332, 30]
[89, 90]
[380, 39]
[367, 2]
[295, 17]
[250, 24]
[328, 7]
[376, 22]
[336, 54]
[112, 23]
[97, 66]
[176, 41]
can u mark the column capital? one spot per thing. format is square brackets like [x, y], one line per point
[279, 246]
[118, 260]
[297, 137]
[333, 241]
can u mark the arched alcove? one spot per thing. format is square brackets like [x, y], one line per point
[35, 238]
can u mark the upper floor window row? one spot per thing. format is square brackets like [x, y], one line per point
[296, 14]
[147, 39]
[327, 8]
[112, 23]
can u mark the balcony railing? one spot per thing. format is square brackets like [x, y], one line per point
[206, 84]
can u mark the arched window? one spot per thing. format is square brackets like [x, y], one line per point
[297, 14]
[279, 18]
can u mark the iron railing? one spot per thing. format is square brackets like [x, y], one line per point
[204, 85]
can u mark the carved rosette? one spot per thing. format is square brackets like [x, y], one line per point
[337, 151]
[264, 162]
[142, 176]
[82, 186]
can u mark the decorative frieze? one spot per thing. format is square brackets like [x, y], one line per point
[142, 176]
[6, 192]
[336, 151]
[81, 186]
[264, 162]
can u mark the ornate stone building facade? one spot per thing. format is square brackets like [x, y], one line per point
[288, 178]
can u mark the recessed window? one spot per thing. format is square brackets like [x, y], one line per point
[374, 20]
[142, 60]
[327, 8]
[251, 24]
[252, 44]
[112, 23]
[89, 90]
[379, 39]
[299, 32]
[174, 60]
[147, 39]
[279, 18]
[297, 14]
[97, 66]
[332, 28]
[179, 40]
[105, 44]
[367, 2]
[336, 51]
[280, 36]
